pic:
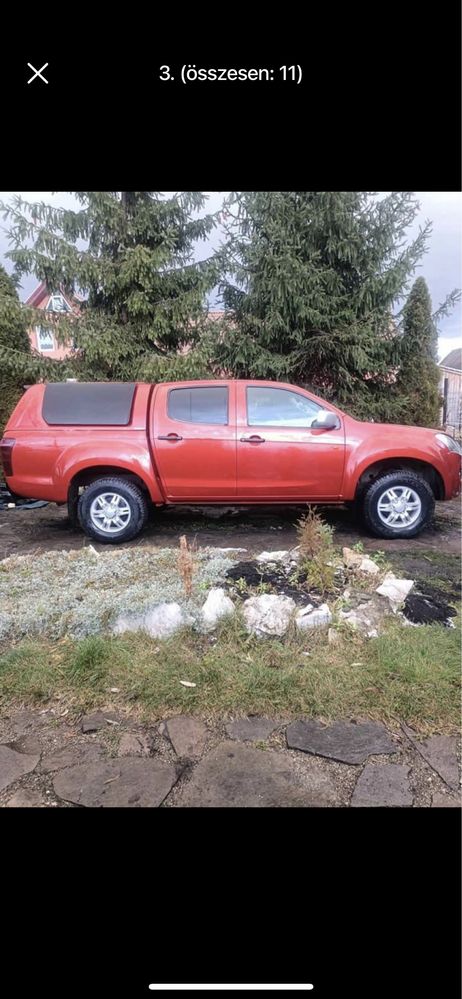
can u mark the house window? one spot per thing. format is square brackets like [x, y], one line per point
[45, 340]
[57, 303]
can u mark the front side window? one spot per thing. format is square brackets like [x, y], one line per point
[199, 405]
[274, 407]
[45, 340]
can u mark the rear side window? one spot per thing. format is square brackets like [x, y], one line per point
[199, 405]
[279, 408]
[88, 403]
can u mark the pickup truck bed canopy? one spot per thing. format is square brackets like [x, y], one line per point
[88, 403]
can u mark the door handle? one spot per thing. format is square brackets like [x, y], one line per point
[254, 439]
[169, 437]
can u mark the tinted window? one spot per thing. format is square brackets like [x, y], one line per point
[199, 405]
[87, 403]
[279, 408]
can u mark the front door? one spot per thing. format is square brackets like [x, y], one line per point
[279, 456]
[194, 439]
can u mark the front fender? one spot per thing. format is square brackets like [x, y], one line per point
[361, 457]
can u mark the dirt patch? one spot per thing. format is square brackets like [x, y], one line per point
[421, 609]
[254, 528]
[252, 575]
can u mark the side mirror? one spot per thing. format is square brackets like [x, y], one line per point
[325, 420]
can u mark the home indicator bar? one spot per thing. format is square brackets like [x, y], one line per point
[231, 988]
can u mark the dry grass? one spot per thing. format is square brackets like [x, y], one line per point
[186, 565]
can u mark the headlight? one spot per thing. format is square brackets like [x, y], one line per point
[449, 442]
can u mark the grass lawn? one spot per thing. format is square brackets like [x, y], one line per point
[407, 674]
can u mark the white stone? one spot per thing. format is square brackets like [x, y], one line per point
[230, 549]
[273, 557]
[359, 562]
[128, 622]
[368, 565]
[395, 589]
[268, 614]
[294, 554]
[306, 617]
[160, 622]
[165, 619]
[217, 606]
[352, 559]
[368, 616]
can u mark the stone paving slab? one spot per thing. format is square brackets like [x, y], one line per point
[446, 801]
[123, 783]
[23, 721]
[134, 744]
[75, 754]
[383, 786]
[96, 721]
[239, 776]
[14, 765]
[251, 729]
[187, 735]
[440, 751]
[25, 798]
[346, 742]
[28, 743]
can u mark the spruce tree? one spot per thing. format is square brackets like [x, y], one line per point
[14, 338]
[129, 254]
[312, 281]
[419, 375]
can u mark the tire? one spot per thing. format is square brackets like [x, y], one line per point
[128, 514]
[410, 490]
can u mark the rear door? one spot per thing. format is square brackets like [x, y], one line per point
[194, 438]
[279, 456]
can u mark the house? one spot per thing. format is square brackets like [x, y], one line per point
[451, 390]
[41, 336]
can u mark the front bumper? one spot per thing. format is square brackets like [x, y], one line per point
[453, 475]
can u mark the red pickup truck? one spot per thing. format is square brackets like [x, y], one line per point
[109, 450]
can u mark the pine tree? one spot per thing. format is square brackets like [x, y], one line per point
[313, 278]
[129, 255]
[13, 337]
[419, 375]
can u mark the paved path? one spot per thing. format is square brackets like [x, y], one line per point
[104, 760]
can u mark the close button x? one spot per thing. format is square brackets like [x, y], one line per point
[37, 72]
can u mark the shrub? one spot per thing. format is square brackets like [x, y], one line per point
[315, 542]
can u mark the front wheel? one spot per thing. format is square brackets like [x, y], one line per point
[112, 510]
[398, 505]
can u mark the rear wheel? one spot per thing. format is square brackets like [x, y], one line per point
[112, 510]
[398, 505]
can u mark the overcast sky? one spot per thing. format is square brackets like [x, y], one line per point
[441, 266]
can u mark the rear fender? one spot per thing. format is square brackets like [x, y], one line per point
[134, 459]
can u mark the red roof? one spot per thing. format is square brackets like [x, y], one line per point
[42, 291]
[37, 295]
